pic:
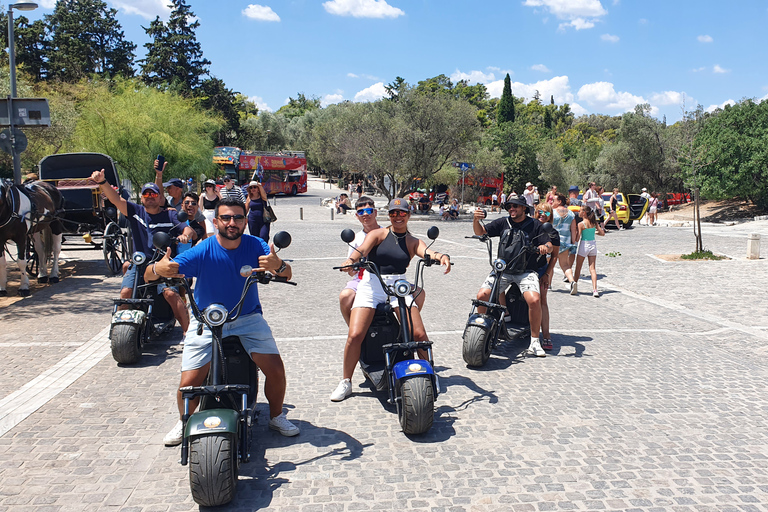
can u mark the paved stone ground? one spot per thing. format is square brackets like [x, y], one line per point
[653, 398]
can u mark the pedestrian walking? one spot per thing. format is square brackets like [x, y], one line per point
[546, 269]
[588, 228]
[652, 209]
[564, 221]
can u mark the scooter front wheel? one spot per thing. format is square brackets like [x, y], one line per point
[213, 468]
[125, 342]
[477, 347]
[417, 409]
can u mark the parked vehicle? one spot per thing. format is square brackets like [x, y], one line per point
[389, 356]
[631, 207]
[217, 437]
[485, 331]
[148, 315]
[281, 172]
[676, 198]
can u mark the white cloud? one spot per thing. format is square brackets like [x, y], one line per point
[610, 38]
[602, 96]
[372, 93]
[578, 24]
[705, 39]
[671, 98]
[259, 101]
[48, 4]
[578, 110]
[718, 69]
[147, 9]
[260, 12]
[570, 9]
[473, 76]
[557, 87]
[330, 99]
[352, 75]
[363, 8]
[712, 108]
[579, 14]
[642, 21]
[540, 67]
[698, 70]
[367, 77]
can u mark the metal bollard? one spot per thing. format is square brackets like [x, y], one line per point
[301, 213]
[331, 213]
[753, 246]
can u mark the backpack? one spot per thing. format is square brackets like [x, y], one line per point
[512, 244]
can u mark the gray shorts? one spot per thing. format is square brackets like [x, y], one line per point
[527, 281]
[253, 331]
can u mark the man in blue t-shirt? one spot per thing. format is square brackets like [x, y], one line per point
[145, 220]
[215, 264]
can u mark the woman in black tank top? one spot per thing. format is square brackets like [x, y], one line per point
[392, 249]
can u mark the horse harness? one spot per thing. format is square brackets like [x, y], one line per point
[13, 198]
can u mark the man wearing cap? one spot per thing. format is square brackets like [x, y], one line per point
[573, 196]
[528, 279]
[145, 220]
[231, 191]
[528, 193]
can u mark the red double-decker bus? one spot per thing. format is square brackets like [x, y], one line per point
[486, 187]
[282, 172]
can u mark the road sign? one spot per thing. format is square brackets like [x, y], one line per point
[19, 144]
[27, 112]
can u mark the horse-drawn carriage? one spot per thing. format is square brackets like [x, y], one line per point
[86, 212]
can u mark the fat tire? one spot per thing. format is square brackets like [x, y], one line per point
[125, 342]
[213, 468]
[417, 408]
[476, 348]
[628, 223]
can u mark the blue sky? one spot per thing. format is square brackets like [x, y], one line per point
[600, 56]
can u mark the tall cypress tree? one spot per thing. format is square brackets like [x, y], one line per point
[174, 56]
[506, 110]
[86, 39]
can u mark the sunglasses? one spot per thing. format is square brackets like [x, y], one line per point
[190, 203]
[251, 188]
[545, 214]
[227, 218]
[365, 211]
[149, 194]
[398, 213]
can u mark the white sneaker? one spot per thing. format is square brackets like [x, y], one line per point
[282, 425]
[574, 288]
[595, 293]
[174, 437]
[342, 391]
[535, 349]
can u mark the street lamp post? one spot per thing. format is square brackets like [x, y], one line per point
[21, 6]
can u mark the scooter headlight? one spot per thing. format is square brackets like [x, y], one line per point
[215, 315]
[499, 265]
[402, 288]
[138, 258]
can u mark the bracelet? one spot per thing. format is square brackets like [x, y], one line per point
[153, 268]
[101, 182]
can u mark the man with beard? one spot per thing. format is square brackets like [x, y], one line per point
[215, 263]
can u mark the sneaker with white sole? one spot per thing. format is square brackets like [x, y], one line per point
[574, 288]
[282, 425]
[595, 294]
[535, 349]
[342, 391]
[174, 437]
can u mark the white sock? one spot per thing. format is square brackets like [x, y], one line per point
[534, 340]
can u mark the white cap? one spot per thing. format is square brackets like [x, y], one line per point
[529, 184]
[645, 190]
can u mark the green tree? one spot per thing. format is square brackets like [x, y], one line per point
[132, 123]
[299, 106]
[31, 45]
[214, 96]
[174, 55]
[506, 109]
[736, 139]
[85, 39]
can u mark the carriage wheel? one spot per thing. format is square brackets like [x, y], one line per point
[33, 263]
[114, 248]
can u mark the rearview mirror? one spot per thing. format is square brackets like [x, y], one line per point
[161, 240]
[282, 239]
[433, 232]
[182, 216]
[347, 235]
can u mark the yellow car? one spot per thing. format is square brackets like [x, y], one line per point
[630, 207]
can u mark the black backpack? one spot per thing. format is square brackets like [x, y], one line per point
[512, 246]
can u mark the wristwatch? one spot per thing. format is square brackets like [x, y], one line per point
[282, 268]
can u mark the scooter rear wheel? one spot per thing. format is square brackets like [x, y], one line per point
[213, 468]
[125, 343]
[418, 404]
[476, 348]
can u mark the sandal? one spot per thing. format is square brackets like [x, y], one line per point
[546, 344]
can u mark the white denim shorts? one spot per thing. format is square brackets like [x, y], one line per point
[587, 248]
[370, 293]
[253, 331]
[527, 281]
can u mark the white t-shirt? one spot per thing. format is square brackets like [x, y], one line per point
[503, 198]
[528, 196]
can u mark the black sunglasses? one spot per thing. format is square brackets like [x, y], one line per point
[190, 203]
[227, 218]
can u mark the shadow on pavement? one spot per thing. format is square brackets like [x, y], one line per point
[564, 340]
[258, 480]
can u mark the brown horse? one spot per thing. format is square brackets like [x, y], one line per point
[24, 210]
